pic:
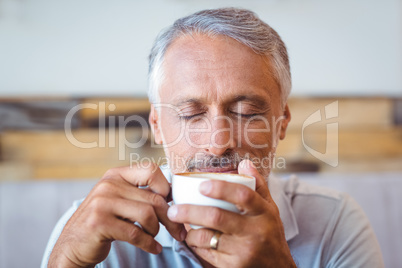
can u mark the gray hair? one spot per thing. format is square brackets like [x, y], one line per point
[240, 24]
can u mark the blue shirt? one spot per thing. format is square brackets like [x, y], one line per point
[323, 228]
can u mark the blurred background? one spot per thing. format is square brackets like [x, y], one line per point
[90, 57]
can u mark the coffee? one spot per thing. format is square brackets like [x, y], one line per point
[217, 176]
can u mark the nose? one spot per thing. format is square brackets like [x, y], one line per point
[222, 137]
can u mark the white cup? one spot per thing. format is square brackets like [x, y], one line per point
[185, 189]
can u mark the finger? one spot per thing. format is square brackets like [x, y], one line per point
[125, 190]
[201, 238]
[160, 207]
[151, 176]
[246, 167]
[245, 199]
[210, 217]
[125, 231]
[143, 213]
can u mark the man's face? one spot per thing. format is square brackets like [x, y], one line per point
[219, 104]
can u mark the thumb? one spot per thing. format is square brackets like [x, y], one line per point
[246, 167]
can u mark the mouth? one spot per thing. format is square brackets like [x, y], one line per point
[217, 170]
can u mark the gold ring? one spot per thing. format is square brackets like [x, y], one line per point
[215, 240]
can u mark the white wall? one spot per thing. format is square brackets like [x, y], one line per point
[88, 47]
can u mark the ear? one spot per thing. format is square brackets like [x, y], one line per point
[285, 122]
[154, 123]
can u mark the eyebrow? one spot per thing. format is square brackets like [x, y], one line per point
[188, 101]
[256, 100]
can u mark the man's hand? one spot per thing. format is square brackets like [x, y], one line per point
[254, 238]
[109, 213]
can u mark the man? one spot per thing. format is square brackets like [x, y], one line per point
[219, 81]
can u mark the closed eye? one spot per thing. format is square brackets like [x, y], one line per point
[189, 117]
[246, 115]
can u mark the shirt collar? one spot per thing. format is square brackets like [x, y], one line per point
[276, 188]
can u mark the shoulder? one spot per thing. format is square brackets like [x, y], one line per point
[311, 202]
[306, 196]
[323, 205]
[333, 224]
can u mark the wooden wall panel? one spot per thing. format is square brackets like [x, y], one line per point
[368, 141]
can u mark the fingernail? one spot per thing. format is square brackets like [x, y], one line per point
[252, 163]
[172, 212]
[183, 234]
[205, 187]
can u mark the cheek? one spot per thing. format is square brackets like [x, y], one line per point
[257, 136]
[193, 134]
[171, 130]
[175, 138]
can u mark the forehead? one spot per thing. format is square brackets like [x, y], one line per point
[214, 69]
